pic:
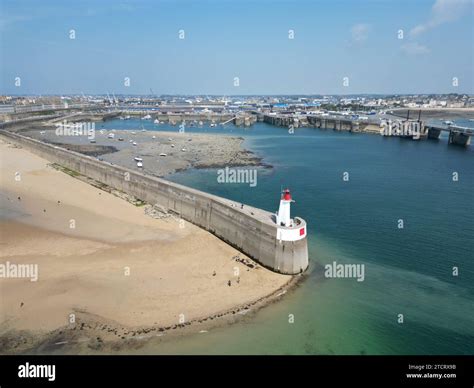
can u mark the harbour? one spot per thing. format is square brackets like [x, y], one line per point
[378, 248]
[406, 269]
[273, 178]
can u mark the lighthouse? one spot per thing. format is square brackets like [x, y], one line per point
[291, 244]
[288, 229]
[283, 215]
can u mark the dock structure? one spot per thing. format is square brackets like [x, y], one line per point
[457, 135]
[253, 231]
[419, 130]
[338, 124]
[190, 117]
[245, 120]
[433, 132]
[172, 114]
[279, 120]
[321, 122]
[36, 108]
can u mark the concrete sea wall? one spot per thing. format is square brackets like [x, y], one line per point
[250, 230]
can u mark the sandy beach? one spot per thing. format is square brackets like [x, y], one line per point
[121, 273]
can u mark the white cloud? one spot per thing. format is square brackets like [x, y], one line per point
[360, 32]
[443, 11]
[414, 48]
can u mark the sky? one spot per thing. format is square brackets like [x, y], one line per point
[226, 47]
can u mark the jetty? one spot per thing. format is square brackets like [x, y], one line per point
[457, 135]
[253, 231]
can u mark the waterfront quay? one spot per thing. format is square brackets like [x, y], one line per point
[214, 113]
[457, 135]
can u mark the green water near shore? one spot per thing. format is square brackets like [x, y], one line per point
[407, 271]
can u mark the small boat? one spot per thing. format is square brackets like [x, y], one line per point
[120, 139]
[134, 143]
[133, 132]
[201, 123]
[172, 145]
[147, 117]
[139, 164]
[183, 149]
[448, 122]
[153, 137]
[42, 132]
[137, 159]
[156, 121]
[111, 135]
[130, 140]
[127, 117]
[170, 139]
[162, 154]
[213, 125]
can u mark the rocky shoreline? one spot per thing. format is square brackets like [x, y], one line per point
[162, 153]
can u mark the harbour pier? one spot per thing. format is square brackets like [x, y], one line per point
[338, 124]
[320, 122]
[279, 247]
[457, 135]
[194, 117]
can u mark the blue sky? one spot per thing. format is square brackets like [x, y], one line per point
[225, 39]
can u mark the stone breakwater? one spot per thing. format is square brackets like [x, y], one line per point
[250, 230]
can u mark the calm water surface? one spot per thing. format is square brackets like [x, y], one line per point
[407, 271]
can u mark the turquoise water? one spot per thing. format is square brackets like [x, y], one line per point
[407, 271]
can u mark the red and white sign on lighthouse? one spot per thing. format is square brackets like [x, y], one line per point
[288, 229]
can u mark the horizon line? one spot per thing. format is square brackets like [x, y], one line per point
[241, 95]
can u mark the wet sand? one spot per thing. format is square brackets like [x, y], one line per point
[122, 274]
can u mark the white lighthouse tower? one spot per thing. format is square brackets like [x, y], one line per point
[283, 216]
[290, 240]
